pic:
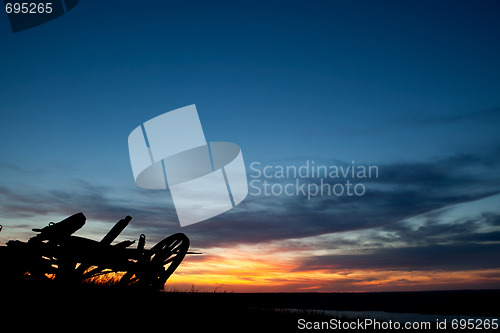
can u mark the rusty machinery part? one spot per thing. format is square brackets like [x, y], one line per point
[157, 264]
[73, 259]
[169, 254]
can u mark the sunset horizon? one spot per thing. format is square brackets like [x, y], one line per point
[256, 165]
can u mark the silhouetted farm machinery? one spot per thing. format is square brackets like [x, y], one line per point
[55, 254]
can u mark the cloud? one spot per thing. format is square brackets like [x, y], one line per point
[429, 257]
[402, 190]
[466, 244]
[484, 115]
[152, 215]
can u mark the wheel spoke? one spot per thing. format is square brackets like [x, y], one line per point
[165, 257]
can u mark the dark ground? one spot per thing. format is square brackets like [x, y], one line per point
[35, 307]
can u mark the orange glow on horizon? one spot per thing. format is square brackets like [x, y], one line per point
[249, 271]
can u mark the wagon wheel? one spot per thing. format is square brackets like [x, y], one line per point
[166, 256]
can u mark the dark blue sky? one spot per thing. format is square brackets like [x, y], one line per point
[354, 80]
[412, 87]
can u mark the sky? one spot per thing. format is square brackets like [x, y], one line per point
[410, 88]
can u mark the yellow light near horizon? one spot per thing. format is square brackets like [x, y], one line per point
[244, 273]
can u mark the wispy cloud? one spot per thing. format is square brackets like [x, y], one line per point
[402, 190]
[432, 241]
[483, 115]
